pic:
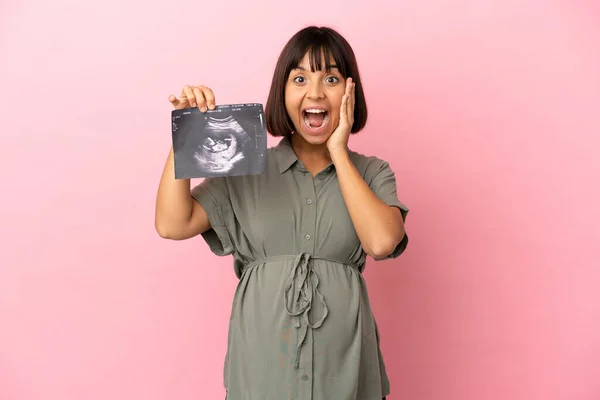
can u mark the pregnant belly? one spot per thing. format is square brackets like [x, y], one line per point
[261, 306]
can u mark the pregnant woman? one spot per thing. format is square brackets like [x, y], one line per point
[301, 325]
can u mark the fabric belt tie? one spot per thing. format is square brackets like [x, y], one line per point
[300, 290]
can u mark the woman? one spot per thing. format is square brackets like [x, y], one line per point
[301, 325]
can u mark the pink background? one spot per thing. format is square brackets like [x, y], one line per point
[487, 110]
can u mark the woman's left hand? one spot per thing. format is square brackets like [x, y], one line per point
[339, 138]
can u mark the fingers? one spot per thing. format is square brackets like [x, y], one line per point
[188, 94]
[200, 100]
[194, 96]
[210, 97]
[174, 100]
[344, 107]
[347, 108]
[352, 99]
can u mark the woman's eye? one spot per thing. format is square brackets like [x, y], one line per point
[332, 79]
[298, 79]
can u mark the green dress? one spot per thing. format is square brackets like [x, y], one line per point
[301, 326]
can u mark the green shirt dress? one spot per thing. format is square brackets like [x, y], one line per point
[301, 326]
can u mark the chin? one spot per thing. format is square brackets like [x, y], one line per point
[314, 139]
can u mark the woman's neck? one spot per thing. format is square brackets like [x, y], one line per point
[314, 157]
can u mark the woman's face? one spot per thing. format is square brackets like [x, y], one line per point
[313, 101]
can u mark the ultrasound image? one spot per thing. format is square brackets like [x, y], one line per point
[230, 140]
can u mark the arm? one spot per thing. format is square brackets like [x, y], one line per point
[177, 215]
[379, 226]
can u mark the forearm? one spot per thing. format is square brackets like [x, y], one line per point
[174, 203]
[379, 227]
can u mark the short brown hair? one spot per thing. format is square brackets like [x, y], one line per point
[314, 41]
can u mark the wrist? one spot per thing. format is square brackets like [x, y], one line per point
[339, 153]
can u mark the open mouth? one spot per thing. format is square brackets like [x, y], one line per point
[315, 119]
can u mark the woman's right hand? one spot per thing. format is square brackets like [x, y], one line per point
[194, 96]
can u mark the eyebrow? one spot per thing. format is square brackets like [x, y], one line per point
[332, 66]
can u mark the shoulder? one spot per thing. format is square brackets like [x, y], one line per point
[272, 151]
[360, 159]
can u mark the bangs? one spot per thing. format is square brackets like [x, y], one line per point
[323, 53]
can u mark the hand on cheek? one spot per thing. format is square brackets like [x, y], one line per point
[339, 138]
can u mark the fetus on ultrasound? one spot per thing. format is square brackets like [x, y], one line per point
[220, 147]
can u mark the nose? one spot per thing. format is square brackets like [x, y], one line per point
[315, 90]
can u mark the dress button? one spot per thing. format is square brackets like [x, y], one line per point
[309, 201]
[304, 377]
[307, 236]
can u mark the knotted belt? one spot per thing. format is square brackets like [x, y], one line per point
[301, 287]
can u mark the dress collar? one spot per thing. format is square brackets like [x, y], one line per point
[285, 155]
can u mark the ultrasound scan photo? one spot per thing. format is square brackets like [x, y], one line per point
[227, 141]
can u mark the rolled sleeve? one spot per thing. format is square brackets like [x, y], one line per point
[383, 184]
[213, 195]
